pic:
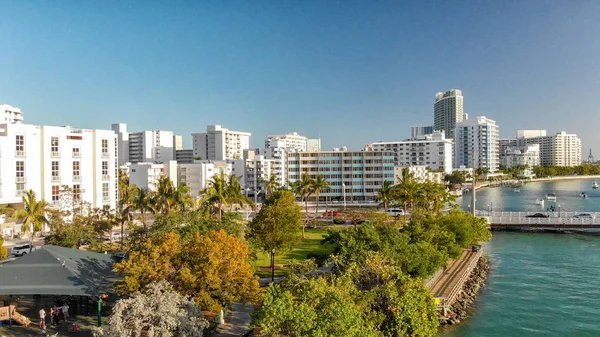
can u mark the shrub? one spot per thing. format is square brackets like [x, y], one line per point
[339, 221]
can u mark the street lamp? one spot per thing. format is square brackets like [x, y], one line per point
[559, 211]
[273, 265]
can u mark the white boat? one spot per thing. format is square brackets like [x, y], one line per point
[551, 197]
[584, 195]
[539, 202]
[517, 190]
[595, 185]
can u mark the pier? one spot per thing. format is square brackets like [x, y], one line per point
[448, 283]
[559, 221]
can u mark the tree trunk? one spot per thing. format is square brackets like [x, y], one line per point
[306, 215]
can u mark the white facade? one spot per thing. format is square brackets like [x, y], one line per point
[419, 131]
[218, 143]
[353, 175]
[561, 149]
[11, 114]
[448, 110]
[434, 151]
[313, 145]
[146, 175]
[419, 173]
[259, 168]
[290, 142]
[178, 142]
[528, 155]
[155, 146]
[46, 158]
[198, 174]
[476, 144]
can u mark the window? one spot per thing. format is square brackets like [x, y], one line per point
[105, 146]
[55, 193]
[104, 191]
[55, 172]
[20, 169]
[76, 192]
[104, 168]
[20, 188]
[20, 143]
[76, 152]
[76, 168]
[54, 144]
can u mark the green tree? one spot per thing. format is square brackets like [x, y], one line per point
[271, 184]
[141, 201]
[33, 214]
[217, 194]
[313, 307]
[277, 224]
[385, 195]
[305, 190]
[317, 186]
[3, 250]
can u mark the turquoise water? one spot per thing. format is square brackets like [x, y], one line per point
[568, 195]
[539, 284]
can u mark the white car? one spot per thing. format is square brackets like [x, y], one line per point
[23, 249]
[395, 212]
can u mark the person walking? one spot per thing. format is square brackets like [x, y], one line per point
[65, 311]
[42, 318]
[56, 314]
[51, 315]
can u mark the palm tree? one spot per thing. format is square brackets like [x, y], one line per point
[385, 195]
[33, 214]
[217, 193]
[271, 184]
[164, 195]
[234, 193]
[317, 185]
[142, 202]
[305, 190]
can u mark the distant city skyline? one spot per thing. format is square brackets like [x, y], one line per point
[353, 73]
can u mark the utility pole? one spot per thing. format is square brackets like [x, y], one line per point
[474, 187]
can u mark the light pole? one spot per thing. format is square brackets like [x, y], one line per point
[491, 206]
[559, 211]
[30, 238]
[273, 265]
[344, 194]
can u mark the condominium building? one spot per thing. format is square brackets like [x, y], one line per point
[433, 151]
[11, 114]
[353, 175]
[528, 155]
[420, 173]
[476, 144]
[418, 131]
[218, 143]
[561, 149]
[178, 142]
[184, 156]
[259, 168]
[197, 175]
[290, 142]
[448, 110]
[45, 159]
[146, 175]
[145, 146]
[313, 145]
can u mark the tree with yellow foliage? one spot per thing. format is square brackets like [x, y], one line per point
[213, 269]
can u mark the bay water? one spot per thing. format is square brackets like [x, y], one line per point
[539, 284]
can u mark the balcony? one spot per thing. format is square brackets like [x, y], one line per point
[76, 178]
[55, 154]
[105, 177]
[105, 155]
[20, 193]
[20, 154]
[20, 179]
[55, 179]
[106, 199]
[76, 154]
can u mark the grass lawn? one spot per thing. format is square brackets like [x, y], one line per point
[311, 244]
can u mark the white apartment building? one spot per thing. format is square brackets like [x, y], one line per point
[290, 142]
[353, 175]
[476, 144]
[447, 111]
[197, 175]
[155, 146]
[528, 155]
[418, 131]
[259, 168]
[178, 142]
[561, 149]
[218, 143]
[434, 151]
[146, 175]
[11, 114]
[419, 174]
[47, 158]
[313, 145]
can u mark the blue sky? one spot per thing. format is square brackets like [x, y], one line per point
[351, 71]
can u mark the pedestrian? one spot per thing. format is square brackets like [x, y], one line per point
[42, 318]
[65, 311]
[56, 314]
[51, 315]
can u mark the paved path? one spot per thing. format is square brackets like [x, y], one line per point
[452, 275]
[237, 321]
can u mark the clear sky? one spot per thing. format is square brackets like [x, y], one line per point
[352, 71]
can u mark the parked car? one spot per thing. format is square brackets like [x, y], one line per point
[538, 215]
[584, 216]
[331, 213]
[23, 249]
[395, 212]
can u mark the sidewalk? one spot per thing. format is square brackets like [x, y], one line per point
[237, 321]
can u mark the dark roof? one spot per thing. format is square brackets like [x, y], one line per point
[54, 270]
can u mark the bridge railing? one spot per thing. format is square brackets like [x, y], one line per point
[555, 214]
[513, 220]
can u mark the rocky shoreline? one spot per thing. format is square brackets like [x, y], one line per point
[460, 308]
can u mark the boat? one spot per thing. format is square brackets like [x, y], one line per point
[539, 202]
[551, 197]
[595, 185]
[517, 190]
[584, 195]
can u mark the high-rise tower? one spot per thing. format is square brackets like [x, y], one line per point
[448, 110]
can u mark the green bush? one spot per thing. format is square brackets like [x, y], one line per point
[339, 221]
[320, 258]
